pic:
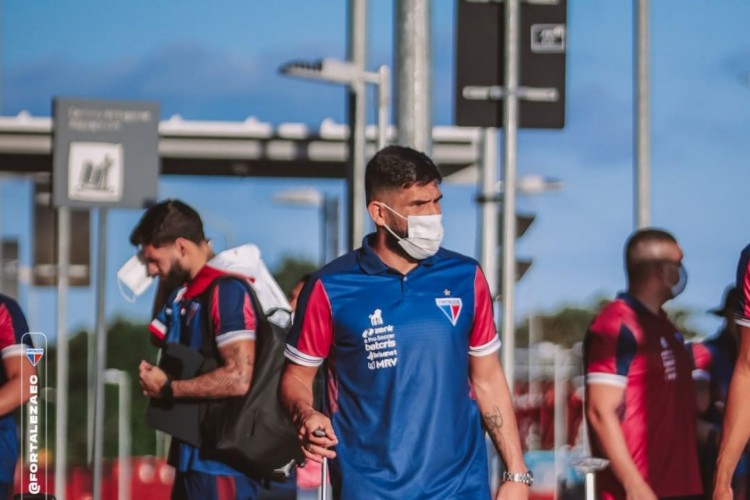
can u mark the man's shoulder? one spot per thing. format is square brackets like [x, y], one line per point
[344, 264]
[612, 317]
[460, 264]
[456, 257]
[10, 304]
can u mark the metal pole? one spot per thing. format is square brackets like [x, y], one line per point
[324, 255]
[590, 480]
[413, 68]
[331, 228]
[510, 126]
[122, 380]
[487, 186]
[357, 50]
[101, 353]
[384, 98]
[559, 419]
[61, 391]
[533, 351]
[642, 132]
[124, 446]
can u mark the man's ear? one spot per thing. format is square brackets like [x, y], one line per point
[181, 245]
[375, 209]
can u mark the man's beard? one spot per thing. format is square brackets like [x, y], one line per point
[176, 277]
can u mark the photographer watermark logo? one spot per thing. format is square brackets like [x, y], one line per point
[34, 416]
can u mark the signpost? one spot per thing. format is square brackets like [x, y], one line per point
[493, 89]
[105, 155]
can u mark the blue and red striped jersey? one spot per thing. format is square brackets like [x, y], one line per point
[743, 288]
[396, 350]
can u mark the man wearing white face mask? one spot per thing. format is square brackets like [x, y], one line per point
[400, 326]
[639, 390]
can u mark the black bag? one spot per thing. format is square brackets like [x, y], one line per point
[251, 433]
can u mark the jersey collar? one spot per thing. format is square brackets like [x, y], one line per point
[371, 263]
[636, 304]
[198, 285]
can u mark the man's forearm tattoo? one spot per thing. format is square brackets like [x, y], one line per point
[493, 420]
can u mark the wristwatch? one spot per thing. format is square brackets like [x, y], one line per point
[166, 390]
[526, 478]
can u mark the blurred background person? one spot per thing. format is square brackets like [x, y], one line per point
[640, 401]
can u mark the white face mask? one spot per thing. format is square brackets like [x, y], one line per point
[679, 287]
[424, 234]
[134, 275]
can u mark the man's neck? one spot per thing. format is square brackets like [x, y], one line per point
[203, 253]
[391, 257]
[649, 301]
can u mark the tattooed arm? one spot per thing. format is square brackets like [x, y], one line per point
[231, 379]
[496, 406]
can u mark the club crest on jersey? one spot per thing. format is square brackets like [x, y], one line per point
[34, 354]
[451, 307]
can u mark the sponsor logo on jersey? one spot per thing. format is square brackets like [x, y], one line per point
[34, 354]
[451, 307]
[376, 318]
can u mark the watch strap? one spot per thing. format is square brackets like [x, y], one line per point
[166, 390]
[526, 478]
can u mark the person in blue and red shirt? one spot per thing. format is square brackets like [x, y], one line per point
[14, 385]
[172, 243]
[406, 334]
[736, 425]
[640, 400]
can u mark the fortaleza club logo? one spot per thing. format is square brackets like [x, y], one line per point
[34, 355]
[451, 307]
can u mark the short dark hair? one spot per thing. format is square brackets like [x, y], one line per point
[399, 167]
[637, 267]
[166, 221]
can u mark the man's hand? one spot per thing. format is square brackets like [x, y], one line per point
[152, 379]
[723, 487]
[639, 490]
[316, 435]
[511, 490]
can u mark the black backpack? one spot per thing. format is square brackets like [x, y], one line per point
[251, 433]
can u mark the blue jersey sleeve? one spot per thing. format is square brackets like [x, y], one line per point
[232, 313]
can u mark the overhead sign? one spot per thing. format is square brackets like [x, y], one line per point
[105, 153]
[480, 64]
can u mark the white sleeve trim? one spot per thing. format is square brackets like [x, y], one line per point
[701, 375]
[606, 379]
[300, 358]
[235, 336]
[14, 350]
[159, 326]
[488, 348]
[742, 321]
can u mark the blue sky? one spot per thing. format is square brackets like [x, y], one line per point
[219, 62]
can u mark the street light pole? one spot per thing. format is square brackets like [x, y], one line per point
[357, 51]
[414, 93]
[642, 168]
[510, 129]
